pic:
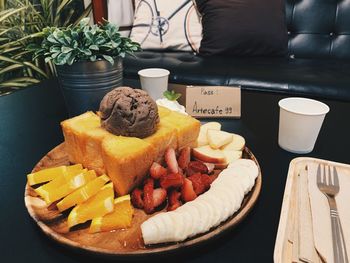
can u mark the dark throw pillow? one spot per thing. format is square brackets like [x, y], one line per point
[243, 27]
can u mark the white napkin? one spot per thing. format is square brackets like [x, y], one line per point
[321, 215]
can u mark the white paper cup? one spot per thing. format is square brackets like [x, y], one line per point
[300, 122]
[154, 81]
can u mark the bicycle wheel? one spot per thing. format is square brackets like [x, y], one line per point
[145, 9]
[192, 33]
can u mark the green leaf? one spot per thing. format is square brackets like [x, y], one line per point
[84, 22]
[65, 49]
[94, 47]
[62, 58]
[12, 12]
[109, 59]
[171, 95]
[10, 68]
[52, 39]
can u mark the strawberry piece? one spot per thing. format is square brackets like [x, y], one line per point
[206, 180]
[157, 171]
[174, 200]
[196, 167]
[159, 196]
[137, 198]
[171, 180]
[184, 157]
[148, 196]
[198, 186]
[170, 159]
[187, 192]
[200, 182]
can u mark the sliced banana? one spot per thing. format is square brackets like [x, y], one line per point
[226, 197]
[250, 164]
[207, 212]
[179, 230]
[216, 205]
[188, 219]
[150, 231]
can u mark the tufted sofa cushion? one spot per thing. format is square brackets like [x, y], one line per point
[318, 28]
[318, 66]
[313, 77]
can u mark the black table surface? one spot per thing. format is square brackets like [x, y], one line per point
[30, 127]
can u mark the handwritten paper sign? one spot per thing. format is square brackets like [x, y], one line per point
[213, 101]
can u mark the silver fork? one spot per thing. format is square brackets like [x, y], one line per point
[330, 188]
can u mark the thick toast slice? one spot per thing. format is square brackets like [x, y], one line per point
[187, 128]
[127, 160]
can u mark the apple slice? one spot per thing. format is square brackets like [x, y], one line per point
[220, 166]
[237, 143]
[208, 155]
[232, 155]
[202, 137]
[217, 138]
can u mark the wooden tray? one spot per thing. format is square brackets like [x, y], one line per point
[121, 243]
[283, 252]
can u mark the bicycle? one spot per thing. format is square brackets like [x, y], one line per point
[159, 25]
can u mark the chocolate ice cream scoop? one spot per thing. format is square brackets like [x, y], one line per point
[129, 112]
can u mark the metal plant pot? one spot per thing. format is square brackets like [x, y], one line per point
[85, 83]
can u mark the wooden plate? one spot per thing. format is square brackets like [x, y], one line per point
[120, 243]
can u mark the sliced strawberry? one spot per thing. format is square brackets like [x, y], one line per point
[171, 180]
[173, 200]
[198, 186]
[137, 198]
[206, 180]
[184, 157]
[157, 171]
[148, 196]
[210, 167]
[187, 192]
[200, 182]
[159, 196]
[196, 167]
[170, 159]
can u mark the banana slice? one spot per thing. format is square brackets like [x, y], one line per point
[226, 198]
[216, 205]
[197, 221]
[206, 212]
[187, 218]
[251, 165]
[150, 232]
[179, 231]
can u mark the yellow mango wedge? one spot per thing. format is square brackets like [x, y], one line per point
[74, 183]
[97, 206]
[84, 193]
[49, 174]
[121, 216]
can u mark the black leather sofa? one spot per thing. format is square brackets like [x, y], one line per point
[318, 64]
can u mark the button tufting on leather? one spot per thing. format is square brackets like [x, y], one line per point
[147, 55]
[188, 58]
[316, 24]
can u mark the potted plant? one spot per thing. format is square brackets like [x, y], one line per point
[88, 60]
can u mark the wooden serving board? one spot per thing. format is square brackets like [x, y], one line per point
[284, 251]
[124, 243]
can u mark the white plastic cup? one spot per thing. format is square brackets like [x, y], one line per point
[154, 81]
[300, 123]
